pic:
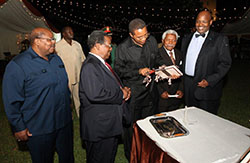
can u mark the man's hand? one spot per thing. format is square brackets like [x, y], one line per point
[203, 83]
[164, 95]
[144, 71]
[22, 135]
[174, 76]
[126, 93]
[179, 93]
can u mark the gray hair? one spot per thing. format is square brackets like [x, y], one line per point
[97, 36]
[170, 31]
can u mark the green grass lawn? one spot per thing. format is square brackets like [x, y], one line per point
[235, 106]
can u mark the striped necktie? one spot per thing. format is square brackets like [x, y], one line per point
[172, 57]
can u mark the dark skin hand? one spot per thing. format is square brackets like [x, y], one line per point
[179, 93]
[164, 95]
[203, 83]
[22, 135]
[126, 93]
[144, 71]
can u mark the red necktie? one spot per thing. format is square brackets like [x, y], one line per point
[172, 57]
[110, 68]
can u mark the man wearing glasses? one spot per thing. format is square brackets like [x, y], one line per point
[135, 57]
[103, 99]
[37, 100]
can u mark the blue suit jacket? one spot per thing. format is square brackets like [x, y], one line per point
[101, 101]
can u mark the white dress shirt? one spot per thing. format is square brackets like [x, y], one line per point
[193, 53]
[100, 58]
[170, 51]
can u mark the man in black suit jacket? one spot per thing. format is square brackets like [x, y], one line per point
[102, 98]
[171, 56]
[206, 62]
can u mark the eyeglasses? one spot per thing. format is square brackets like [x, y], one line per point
[48, 39]
[143, 36]
[108, 45]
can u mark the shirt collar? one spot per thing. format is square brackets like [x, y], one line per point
[35, 55]
[73, 42]
[168, 50]
[97, 56]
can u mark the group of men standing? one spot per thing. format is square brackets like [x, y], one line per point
[37, 88]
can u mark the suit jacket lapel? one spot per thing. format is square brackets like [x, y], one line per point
[113, 76]
[109, 73]
[177, 57]
[206, 43]
[165, 56]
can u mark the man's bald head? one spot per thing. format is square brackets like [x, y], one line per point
[206, 14]
[42, 42]
[38, 32]
[203, 22]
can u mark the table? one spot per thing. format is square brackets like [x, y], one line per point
[211, 139]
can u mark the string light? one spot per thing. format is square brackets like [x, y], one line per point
[172, 15]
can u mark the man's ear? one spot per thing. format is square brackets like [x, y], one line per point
[97, 46]
[211, 22]
[37, 41]
[131, 35]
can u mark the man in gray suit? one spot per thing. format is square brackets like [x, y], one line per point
[206, 61]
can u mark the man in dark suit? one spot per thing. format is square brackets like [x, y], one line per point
[102, 98]
[206, 62]
[171, 56]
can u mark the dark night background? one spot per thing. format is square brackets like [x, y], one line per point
[86, 16]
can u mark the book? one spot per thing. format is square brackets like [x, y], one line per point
[167, 71]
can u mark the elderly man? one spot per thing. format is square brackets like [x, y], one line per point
[72, 56]
[170, 56]
[102, 98]
[206, 61]
[135, 57]
[37, 100]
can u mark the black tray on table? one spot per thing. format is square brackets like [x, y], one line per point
[168, 127]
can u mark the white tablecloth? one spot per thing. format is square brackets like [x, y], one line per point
[211, 139]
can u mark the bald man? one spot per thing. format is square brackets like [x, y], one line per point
[206, 62]
[37, 100]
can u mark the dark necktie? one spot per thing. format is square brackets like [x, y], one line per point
[172, 57]
[110, 68]
[202, 35]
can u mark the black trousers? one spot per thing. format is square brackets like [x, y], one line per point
[190, 85]
[103, 151]
[43, 147]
